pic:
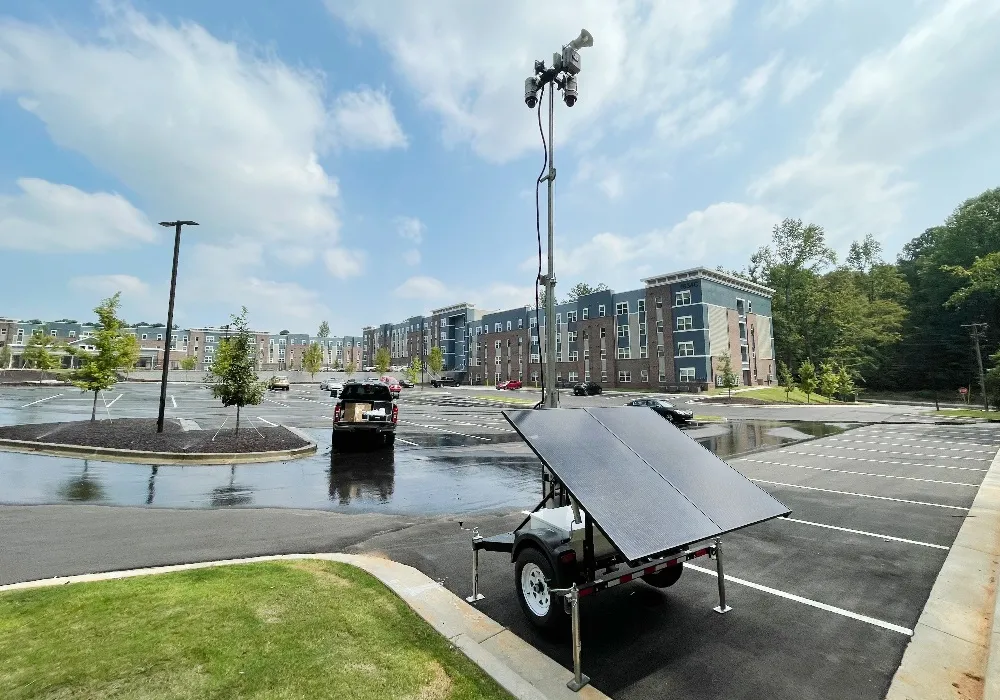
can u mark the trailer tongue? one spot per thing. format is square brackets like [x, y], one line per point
[625, 495]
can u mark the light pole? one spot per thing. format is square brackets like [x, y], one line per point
[170, 316]
[562, 74]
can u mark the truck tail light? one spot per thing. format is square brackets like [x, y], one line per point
[337, 411]
[395, 414]
[567, 557]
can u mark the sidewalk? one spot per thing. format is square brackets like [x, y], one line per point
[955, 649]
[522, 670]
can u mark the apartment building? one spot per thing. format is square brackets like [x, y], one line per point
[672, 333]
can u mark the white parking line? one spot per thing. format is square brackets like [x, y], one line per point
[883, 461]
[860, 495]
[283, 405]
[460, 422]
[806, 601]
[172, 400]
[442, 430]
[273, 425]
[905, 454]
[922, 437]
[863, 532]
[399, 439]
[844, 471]
[904, 444]
[48, 398]
[118, 397]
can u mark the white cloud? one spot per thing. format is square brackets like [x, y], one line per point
[410, 228]
[107, 285]
[785, 14]
[365, 119]
[611, 184]
[47, 217]
[139, 300]
[412, 257]
[933, 89]
[343, 263]
[462, 58]
[796, 79]
[423, 288]
[198, 127]
[755, 83]
[293, 255]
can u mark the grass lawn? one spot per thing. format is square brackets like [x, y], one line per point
[507, 399]
[299, 629]
[707, 419]
[968, 413]
[776, 394]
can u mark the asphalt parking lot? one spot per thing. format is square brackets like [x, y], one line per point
[823, 602]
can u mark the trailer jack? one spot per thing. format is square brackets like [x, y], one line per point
[572, 594]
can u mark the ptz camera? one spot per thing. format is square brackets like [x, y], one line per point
[570, 91]
[531, 92]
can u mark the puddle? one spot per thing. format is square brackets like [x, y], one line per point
[441, 474]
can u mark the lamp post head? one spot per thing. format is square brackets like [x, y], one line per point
[178, 223]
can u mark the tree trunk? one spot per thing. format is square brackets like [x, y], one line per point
[237, 421]
[93, 411]
[936, 406]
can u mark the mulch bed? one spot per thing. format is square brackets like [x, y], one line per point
[140, 434]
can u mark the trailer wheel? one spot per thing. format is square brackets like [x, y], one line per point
[665, 578]
[532, 574]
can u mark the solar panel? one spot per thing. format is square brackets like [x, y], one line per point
[649, 497]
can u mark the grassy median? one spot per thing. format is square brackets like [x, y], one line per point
[968, 413]
[299, 629]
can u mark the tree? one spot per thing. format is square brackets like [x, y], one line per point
[807, 378]
[726, 373]
[413, 370]
[4, 357]
[312, 359]
[284, 332]
[582, 289]
[829, 380]
[233, 377]
[38, 352]
[435, 360]
[382, 360]
[993, 379]
[350, 369]
[114, 350]
[130, 351]
[324, 330]
[785, 379]
[189, 363]
[845, 383]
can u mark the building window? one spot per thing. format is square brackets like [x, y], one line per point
[621, 308]
[520, 323]
[659, 326]
[659, 302]
[624, 353]
[586, 375]
[159, 336]
[604, 354]
[604, 376]
[659, 351]
[574, 355]
[643, 352]
[644, 375]
[683, 298]
[211, 339]
[571, 317]
[54, 333]
[532, 322]
[558, 318]
[586, 354]
[497, 358]
[600, 310]
[508, 325]
[585, 313]
[574, 377]
[572, 336]
[663, 378]
[741, 306]
[685, 349]
[498, 327]
[496, 345]
[685, 323]
[624, 376]
[687, 374]
[604, 332]
[534, 358]
[623, 331]
[72, 334]
[143, 336]
[640, 305]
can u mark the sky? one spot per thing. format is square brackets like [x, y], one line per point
[363, 161]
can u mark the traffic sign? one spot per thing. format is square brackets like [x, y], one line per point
[963, 390]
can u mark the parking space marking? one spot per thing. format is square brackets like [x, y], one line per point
[48, 398]
[459, 422]
[903, 444]
[806, 601]
[860, 495]
[283, 405]
[115, 399]
[922, 437]
[172, 400]
[844, 471]
[863, 532]
[399, 439]
[442, 430]
[883, 461]
[273, 425]
[905, 454]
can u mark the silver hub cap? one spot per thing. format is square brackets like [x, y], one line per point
[535, 590]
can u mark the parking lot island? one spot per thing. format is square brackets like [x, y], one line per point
[136, 440]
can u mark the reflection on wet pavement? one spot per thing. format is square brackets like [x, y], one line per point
[429, 475]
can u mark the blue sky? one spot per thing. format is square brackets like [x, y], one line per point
[362, 161]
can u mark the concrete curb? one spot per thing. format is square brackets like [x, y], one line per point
[519, 668]
[108, 454]
[955, 649]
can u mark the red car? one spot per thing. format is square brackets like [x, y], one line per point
[510, 384]
[394, 386]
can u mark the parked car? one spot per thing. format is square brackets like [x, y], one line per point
[334, 388]
[587, 389]
[325, 384]
[277, 383]
[510, 384]
[393, 384]
[365, 410]
[444, 381]
[665, 409]
[406, 383]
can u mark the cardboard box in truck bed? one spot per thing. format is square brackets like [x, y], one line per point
[354, 412]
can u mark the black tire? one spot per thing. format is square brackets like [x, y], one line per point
[388, 439]
[554, 617]
[665, 578]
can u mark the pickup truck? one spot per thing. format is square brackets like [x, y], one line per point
[365, 410]
[444, 381]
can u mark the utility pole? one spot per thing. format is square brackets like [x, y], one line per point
[562, 75]
[979, 359]
[170, 316]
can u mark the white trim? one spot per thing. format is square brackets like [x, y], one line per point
[713, 275]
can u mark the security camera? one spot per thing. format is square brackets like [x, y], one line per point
[569, 91]
[531, 92]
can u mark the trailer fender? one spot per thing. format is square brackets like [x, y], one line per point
[552, 545]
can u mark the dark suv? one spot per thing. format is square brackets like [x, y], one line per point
[587, 389]
[365, 410]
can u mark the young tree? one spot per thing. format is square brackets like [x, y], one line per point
[785, 379]
[435, 360]
[582, 289]
[413, 371]
[233, 377]
[382, 360]
[4, 358]
[350, 369]
[113, 351]
[829, 380]
[807, 378]
[189, 363]
[130, 352]
[38, 352]
[729, 378]
[312, 359]
[845, 382]
[324, 330]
